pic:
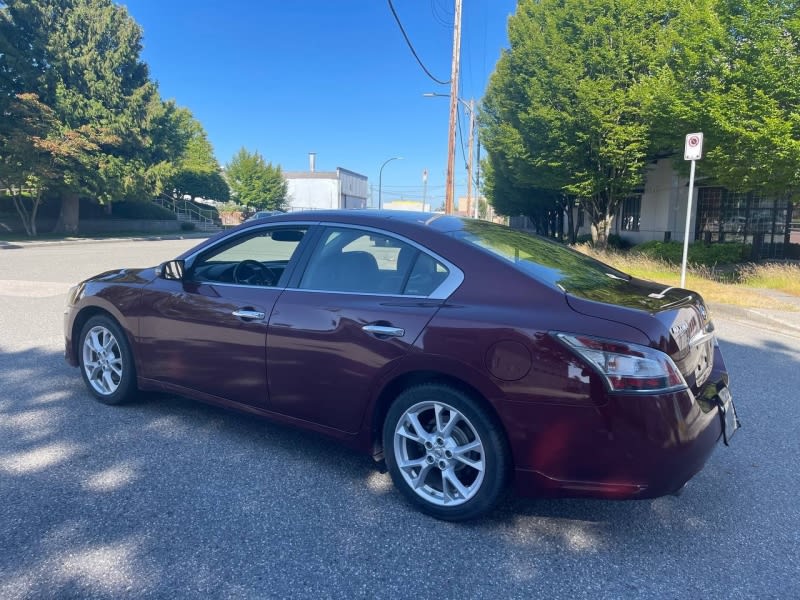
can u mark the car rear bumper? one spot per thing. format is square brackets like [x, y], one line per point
[631, 446]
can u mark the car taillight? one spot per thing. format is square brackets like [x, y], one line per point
[626, 367]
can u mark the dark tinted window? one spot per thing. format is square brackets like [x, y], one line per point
[355, 260]
[557, 265]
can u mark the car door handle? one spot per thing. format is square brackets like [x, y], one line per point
[249, 315]
[384, 330]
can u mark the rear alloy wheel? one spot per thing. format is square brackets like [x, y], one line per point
[106, 362]
[445, 452]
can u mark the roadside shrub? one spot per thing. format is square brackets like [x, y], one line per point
[187, 226]
[618, 242]
[585, 238]
[699, 254]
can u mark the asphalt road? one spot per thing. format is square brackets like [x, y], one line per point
[166, 498]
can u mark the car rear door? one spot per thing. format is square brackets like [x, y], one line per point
[358, 306]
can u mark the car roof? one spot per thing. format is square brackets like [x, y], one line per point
[396, 221]
[376, 218]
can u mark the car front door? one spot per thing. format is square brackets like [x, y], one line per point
[362, 300]
[207, 332]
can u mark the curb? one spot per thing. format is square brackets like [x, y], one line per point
[787, 323]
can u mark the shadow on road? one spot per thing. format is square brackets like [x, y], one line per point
[170, 497]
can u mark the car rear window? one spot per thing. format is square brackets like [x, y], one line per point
[549, 262]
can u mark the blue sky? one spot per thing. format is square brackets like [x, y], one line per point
[287, 77]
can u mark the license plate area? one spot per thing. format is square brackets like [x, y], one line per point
[727, 412]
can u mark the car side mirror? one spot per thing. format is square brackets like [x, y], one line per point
[172, 270]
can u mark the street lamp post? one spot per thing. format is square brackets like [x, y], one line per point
[380, 178]
[470, 106]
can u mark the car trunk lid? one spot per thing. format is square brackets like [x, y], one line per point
[675, 320]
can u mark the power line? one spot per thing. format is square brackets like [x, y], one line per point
[435, 11]
[461, 138]
[411, 46]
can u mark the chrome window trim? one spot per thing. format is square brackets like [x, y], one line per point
[451, 283]
[445, 289]
[192, 257]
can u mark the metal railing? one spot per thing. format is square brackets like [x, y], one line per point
[187, 211]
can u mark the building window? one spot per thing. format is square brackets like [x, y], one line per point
[631, 213]
[580, 217]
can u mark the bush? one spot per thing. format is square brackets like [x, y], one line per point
[618, 242]
[187, 226]
[699, 254]
[585, 238]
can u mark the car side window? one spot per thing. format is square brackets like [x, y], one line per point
[259, 258]
[354, 260]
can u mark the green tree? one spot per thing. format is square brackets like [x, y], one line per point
[255, 182]
[195, 171]
[567, 108]
[81, 57]
[26, 165]
[736, 70]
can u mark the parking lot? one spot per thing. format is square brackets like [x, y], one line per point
[167, 498]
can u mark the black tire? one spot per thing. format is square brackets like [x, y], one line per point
[101, 376]
[483, 474]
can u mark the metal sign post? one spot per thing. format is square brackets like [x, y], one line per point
[693, 151]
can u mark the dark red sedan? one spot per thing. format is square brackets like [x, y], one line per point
[466, 354]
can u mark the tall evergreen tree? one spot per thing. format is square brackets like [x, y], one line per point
[85, 57]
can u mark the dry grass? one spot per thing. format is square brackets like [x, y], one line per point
[783, 277]
[701, 279]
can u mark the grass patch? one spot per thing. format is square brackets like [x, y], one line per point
[701, 279]
[784, 277]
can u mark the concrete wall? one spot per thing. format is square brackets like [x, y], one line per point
[320, 190]
[14, 225]
[663, 207]
[313, 193]
[352, 188]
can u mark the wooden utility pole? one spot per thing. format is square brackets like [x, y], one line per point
[470, 212]
[451, 140]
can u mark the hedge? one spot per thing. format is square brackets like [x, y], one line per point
[699, 254]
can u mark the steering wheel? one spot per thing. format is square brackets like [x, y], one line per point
[252, 272]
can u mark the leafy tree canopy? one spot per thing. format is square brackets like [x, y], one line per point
[566, 108]
[591, 89]
[255, 182]
[109, 134]
[736, 71]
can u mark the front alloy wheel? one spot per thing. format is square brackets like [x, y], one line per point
[106, 361]
[446, 451]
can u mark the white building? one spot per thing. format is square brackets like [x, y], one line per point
[658, 212]
[320, 190]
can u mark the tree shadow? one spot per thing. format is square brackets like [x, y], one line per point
[168, 497]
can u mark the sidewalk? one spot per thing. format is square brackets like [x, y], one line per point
[781, 321]
[18, 244]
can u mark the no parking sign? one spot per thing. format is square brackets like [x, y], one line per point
[694, 146]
